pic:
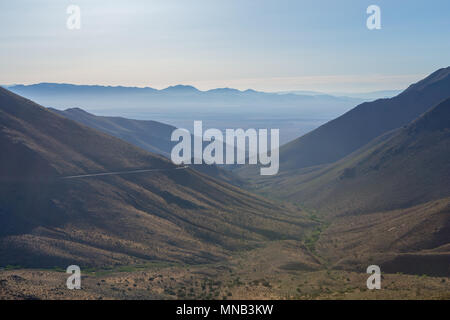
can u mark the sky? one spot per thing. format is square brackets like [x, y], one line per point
[276, 45]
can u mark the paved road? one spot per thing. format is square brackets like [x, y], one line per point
[120, 172]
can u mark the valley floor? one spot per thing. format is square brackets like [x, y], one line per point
[280, 270]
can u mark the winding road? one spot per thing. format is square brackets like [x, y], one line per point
[121, 172]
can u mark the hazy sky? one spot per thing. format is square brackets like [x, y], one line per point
[274, 45]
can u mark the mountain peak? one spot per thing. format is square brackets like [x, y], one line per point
[224, 90]
[181, 88]
[76, 111]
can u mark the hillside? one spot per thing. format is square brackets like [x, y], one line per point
[149, 135]
[349, 132]
[386, 203]
[400, 169]
[412, 240]
[175, 215]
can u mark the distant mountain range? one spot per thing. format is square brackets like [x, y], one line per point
[180, 105]
[227, 100]
[372, 95]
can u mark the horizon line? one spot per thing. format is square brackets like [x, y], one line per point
[181, 85]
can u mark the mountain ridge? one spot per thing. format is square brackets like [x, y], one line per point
[410, 163]
[345, 134]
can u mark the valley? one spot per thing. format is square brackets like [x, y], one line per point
[95, 192]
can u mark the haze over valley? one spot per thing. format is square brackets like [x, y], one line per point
[180, 106]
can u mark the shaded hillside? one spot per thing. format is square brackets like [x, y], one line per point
[171, 214]
[149, 135]
[400, 169]
[354, 129]
[152, 136]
